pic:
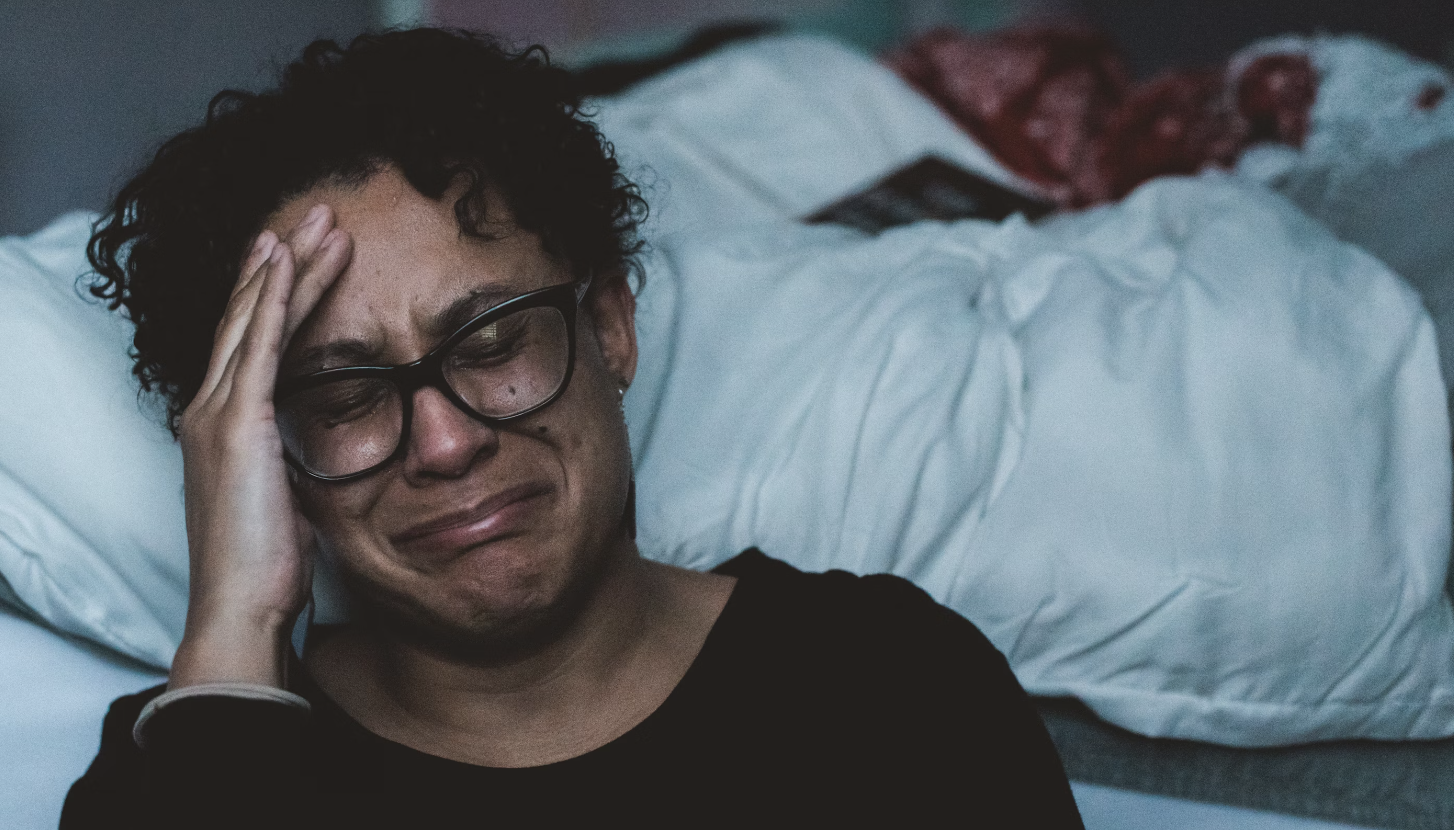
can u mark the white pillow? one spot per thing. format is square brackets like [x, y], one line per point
[1204, 486]
[774, 129]
[91, 527]
[1375, 106]
[1402, 214]
[1231, 521]
[1378, 164]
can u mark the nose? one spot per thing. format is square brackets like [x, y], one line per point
[444, 441]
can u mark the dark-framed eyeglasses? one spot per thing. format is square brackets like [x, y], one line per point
[508, 362]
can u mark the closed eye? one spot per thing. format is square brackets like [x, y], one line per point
[342, 406]
[492, 345]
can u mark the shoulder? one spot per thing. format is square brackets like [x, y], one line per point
[872, 609]
[866, 628]
[897, 694]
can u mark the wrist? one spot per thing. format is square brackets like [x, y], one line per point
[238, 647]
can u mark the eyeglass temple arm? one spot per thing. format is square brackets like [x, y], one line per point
[584, 286]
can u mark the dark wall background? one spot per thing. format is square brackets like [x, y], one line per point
[1161, 34]
[88, 89]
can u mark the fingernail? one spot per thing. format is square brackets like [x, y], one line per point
[263, 246]
[315, 215]
[277, 255]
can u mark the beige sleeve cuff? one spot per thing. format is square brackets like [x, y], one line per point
[246, 691]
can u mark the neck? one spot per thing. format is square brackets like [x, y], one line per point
[620, 656]
[605, 627]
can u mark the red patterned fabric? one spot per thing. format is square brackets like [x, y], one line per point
[1058, 107]
[1036, 98]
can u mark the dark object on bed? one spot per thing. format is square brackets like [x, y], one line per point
[611, 77]
[1403, 785]
[930, 188]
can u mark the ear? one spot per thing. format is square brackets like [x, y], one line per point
[613, 313]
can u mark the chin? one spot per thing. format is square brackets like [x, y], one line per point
[506, 600]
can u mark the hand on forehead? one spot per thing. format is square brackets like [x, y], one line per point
[413, 272]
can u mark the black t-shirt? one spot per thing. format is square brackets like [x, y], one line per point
[816, 698]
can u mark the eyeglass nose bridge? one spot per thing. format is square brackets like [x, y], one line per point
[428, 371]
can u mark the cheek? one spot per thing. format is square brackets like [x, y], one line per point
[599, 458]
[339, 512]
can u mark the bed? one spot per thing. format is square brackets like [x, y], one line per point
[726, 231]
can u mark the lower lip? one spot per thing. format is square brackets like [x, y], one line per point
[503, 522]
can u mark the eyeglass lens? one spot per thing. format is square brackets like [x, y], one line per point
[502, 369]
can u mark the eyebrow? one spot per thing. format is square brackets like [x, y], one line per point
[354, 352]
[467, 308]
[332, 355]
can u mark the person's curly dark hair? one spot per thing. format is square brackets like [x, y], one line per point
[438, 105]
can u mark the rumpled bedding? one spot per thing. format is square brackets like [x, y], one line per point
[1183, 457]
[1173, 457]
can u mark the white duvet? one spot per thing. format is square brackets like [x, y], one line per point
[1185, 457]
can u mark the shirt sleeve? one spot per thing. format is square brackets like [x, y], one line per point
[210, 761]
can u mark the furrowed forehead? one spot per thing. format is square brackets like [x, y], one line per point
[353, 351]
[414, 277]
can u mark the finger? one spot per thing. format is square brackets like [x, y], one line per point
[307, 235]
[327, 265]
[252, 271]
[240, 304]
[257, 257]
[234, 324]
[278, 278]
[313, 227]
[261, 347]
[305, 239]
[244, 292]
